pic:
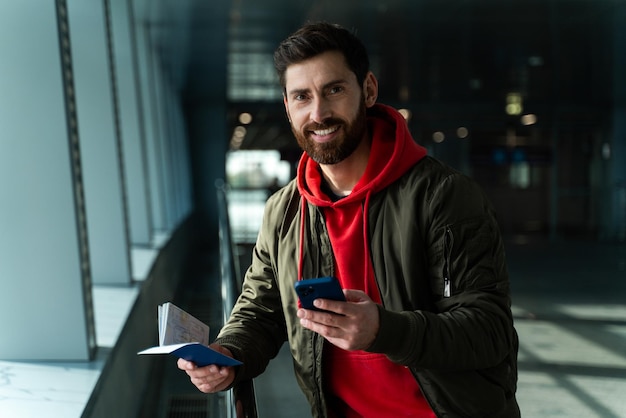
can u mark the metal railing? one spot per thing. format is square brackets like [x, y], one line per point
[241, 400]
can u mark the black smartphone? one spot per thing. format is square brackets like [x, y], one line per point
[319, 288]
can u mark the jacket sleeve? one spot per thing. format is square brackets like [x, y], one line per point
[256, 328]
[470, 325]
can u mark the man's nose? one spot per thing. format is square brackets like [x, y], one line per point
[320, 111]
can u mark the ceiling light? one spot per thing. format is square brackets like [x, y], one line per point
[239, 132]
[406, 113]
[529, 119]
[438, 137]
[514, 104]
[245, 118]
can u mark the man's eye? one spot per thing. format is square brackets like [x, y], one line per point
[299, 97]
[335, 90]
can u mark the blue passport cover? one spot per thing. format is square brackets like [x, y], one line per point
[198, 353]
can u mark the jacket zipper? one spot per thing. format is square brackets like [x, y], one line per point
[448, 238]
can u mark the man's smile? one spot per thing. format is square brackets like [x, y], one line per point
[321, 135]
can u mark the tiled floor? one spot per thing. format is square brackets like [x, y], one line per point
[570, 307]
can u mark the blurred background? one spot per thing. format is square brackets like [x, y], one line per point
[140, 139]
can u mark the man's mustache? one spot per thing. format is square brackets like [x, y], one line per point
[327, 123]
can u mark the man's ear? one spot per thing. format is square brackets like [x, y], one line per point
[370, 89]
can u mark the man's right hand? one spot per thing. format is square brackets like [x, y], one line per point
[212, 378]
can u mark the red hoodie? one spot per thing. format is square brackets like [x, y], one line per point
[357, 383]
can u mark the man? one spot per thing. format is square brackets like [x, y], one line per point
[427, 328]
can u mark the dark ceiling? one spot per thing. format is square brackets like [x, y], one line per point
[451, 62]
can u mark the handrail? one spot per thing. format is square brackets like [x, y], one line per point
[241, 400]
[230, 288]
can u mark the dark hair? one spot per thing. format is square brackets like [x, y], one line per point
[313, 39]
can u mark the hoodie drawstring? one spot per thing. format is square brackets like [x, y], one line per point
[366, 250]
[301, 249]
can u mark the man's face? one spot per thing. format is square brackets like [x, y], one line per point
[326, 107]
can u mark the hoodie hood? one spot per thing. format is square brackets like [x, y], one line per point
[393, 151]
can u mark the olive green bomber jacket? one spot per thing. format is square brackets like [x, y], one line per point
[440, 267]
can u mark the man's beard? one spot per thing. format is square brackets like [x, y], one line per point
[338, 149]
